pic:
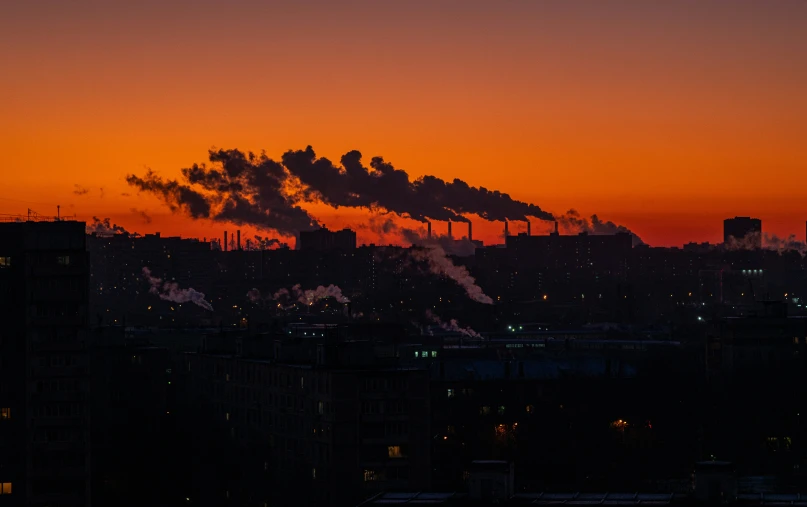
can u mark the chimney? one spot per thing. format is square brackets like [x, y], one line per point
[429, 230]
[556, 227]
[238, 242]
[449, 228]
[470, 231]
[506, 228]
[225, 242]
[529, 228]
[247, 244]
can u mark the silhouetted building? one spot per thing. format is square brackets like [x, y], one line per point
[324, 239]
[743, 230]
[44, 364]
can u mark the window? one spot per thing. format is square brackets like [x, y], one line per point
[394, 451]
[5, 262]
[530, 409]
[501, 410]
[484, 410]
[417, 354]
[434, 353]
[369, 475]
[5, 488]
[5, 413]
[313, 473]
[450, 393]
[63, 260]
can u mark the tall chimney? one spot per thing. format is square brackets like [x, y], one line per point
[470, 231]
[238, 241]
[449, 228]
[506, 228]
[529, 228]
[429, 230]
[556, 227]
[225, 242]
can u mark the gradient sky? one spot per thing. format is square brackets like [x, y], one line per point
[664, 116]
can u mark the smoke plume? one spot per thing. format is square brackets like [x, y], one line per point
[572, 221]
[765, 241]
[170, 291]
[249, 189]
[79, 190]
[383, 186]
[306, 297]
[452, 325]
[142, 214]
[103, 227]
[440, 264]
[262, 243]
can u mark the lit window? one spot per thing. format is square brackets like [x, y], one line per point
[369, 475]
[5, 488]
[501, 410]
[314, 473]
[320, 408]
[227, 416]
[434, 353]
[484, 410]
[417, 354]
[5, 262]
[5, 413]
[63, 260]
[530, 409]
[450, 393]
[394, 451]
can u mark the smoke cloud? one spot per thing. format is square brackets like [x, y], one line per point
[249, 189]
[262, 243]
[170, 291]
[105, 226]
[572, 221]
[142, 214]
[383, 186]
[452, 325]
[79, 190]
[768, 242]
[386, 226]
[440, 264]
[306, 297]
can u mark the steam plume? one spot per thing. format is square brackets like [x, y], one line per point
[306, 297]
[170, 291]
[452, 325]
[574, 222]
[440, 264]
[79, 190]
[246, 189]
[768, 241]
[104, 226]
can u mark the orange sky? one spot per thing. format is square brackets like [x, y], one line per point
[664, 116]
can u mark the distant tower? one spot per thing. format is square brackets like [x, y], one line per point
[743, 229]
[449, 228]
[470, 231]
[529, 228]
[429, 230]
[225, 241]
[506, 228]
[238, 242]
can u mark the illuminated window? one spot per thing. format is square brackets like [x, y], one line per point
[5, 262]
[394, 451]
[530, 409]
[369, 475]
[320, 407]
[450, 393]
[484, 410]
[227, 416]
[434, 353]
[313, 473]
[63, 260]
[417, 354]
[5, 413]
[501, 410]
[5, 488]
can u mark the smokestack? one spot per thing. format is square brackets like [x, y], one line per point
[238, 241]
[506, 228]
[225, 242]
[556, 228]
[449, 228]
[529, 228]
[429, 230]
[470, 231]
[58, 213]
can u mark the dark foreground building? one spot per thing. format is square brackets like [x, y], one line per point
[44, 421]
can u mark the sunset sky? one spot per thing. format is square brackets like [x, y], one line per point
[663, 116]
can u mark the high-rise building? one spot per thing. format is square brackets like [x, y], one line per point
[44, 363]
[744, 230]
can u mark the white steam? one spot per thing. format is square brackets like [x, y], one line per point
[170, 291]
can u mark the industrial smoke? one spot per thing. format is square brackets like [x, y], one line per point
[170, 291]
